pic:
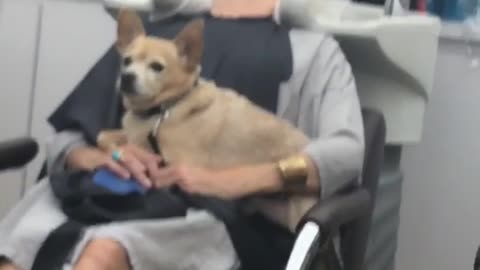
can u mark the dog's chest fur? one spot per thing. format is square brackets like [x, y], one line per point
[218, 128]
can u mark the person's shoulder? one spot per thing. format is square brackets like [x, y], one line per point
[312, 46]
[312, 38]
[315, 53]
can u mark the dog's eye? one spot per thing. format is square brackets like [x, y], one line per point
[156, 66]
[127, 61]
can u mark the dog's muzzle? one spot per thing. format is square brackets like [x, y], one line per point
[127, 83]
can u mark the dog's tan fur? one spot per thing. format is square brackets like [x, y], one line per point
[210, 127]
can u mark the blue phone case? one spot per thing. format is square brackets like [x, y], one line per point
[107, 179]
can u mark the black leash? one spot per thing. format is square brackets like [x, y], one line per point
[163, 111]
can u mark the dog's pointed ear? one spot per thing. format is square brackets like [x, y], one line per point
[129, 27]
[189, 44]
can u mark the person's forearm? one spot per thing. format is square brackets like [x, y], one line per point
[59, 146]
[254, 179]
[84, 157]
[266, 178]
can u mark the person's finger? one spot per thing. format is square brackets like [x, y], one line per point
[117, 168]
[143, 154]
[137, 169]
[186, 186]
[153, 169]
[150, 160]
[165, 177]
[184, 179]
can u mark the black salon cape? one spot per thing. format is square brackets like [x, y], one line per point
[250, 56]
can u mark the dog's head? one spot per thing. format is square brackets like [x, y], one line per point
[153, 69]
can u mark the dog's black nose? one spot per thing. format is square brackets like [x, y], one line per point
[127, 83]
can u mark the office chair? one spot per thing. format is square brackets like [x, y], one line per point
[348, 213]
[476, 263]
[15, 153]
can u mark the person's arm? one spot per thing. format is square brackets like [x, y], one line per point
[163, 9]
[58, 148]
[293, 13]
[338, 151]
[69, 150]
[334, 159]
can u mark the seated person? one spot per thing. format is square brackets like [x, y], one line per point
[318, 96]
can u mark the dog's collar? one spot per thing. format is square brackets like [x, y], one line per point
[163, 108]
[163, 111]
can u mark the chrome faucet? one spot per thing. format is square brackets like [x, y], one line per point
[393, 5]
[388, 7]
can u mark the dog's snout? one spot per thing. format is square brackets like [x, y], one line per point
[127, 83]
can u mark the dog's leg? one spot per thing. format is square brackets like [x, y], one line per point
[109, 140]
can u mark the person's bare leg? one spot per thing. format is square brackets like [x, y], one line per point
[6, 264]
[103, 254]
[9, 267]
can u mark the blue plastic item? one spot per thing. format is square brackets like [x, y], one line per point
[107, 179]
[453, 10]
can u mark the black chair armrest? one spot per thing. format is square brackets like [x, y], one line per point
[476, 264]
[322, 221]
[16, 153]
[331, 213]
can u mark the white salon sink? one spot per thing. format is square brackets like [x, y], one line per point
[393, 59]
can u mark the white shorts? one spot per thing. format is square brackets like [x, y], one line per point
[195, 242]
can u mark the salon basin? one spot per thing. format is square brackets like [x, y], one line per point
[393, 59]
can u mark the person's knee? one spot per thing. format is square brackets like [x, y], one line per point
[7, 264]
[8, 267]
[103, 254]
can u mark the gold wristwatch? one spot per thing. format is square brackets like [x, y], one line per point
[294, 171]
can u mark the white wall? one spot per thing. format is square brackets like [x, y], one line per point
[46, 48]
[18, 35]
[440, 212]
[73, 37]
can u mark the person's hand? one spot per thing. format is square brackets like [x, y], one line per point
[196, 180]
[135, 162]
[243, 8]
[142, 164]
[91, 158]
[226, 183]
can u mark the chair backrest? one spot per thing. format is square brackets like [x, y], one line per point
[355, 235]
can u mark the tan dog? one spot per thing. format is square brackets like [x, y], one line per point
[205, 125]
